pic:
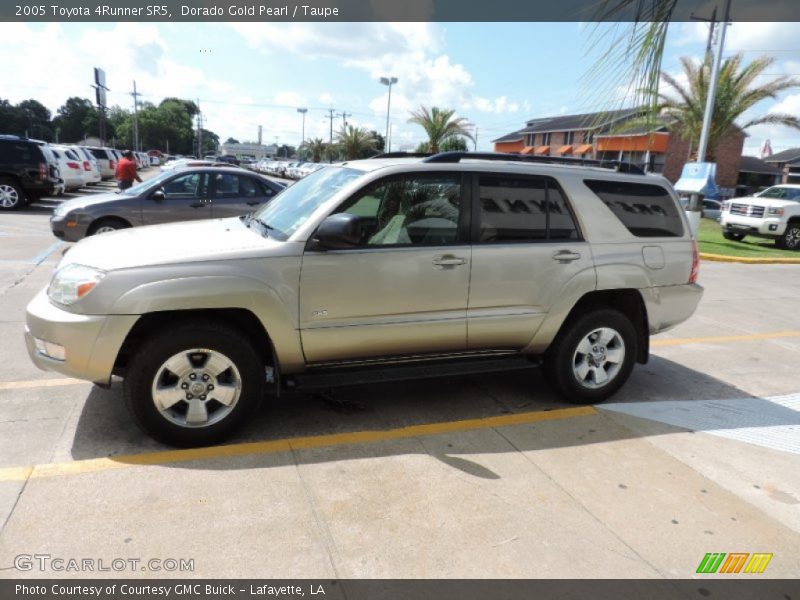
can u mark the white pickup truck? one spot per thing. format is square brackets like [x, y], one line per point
[772, 214]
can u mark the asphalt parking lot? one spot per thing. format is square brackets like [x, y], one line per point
[484, 476]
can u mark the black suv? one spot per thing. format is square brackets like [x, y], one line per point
[26, 173]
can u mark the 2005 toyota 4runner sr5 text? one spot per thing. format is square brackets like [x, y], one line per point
[391, 267]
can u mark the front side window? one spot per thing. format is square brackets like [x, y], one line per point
[645, 209]
[410, 210]
[523, 209]
[190, 185]
[782, 193]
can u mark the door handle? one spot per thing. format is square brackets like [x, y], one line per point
[566, 256]
[200, 203]
[449, 261]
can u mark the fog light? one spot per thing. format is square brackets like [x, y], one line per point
[50, 349]
[773, 227]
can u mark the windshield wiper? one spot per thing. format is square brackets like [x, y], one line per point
[251, 218]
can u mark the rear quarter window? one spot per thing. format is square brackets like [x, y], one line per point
[17, 153]
[645, 209]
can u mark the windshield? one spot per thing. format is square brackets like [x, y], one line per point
[782, 193]
[290, 209]
[147, 184]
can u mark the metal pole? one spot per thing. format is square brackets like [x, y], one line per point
[388, 111]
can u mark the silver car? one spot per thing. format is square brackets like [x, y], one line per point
[182, 195]
[373, 270]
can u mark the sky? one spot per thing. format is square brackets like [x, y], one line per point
[496, 75]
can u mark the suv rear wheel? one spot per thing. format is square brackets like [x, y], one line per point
[11, 196]
[592, 357]
[790, 240]
[195, 384]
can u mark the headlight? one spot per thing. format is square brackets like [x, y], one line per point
[775, 211]
[73, 282]
[61, 210]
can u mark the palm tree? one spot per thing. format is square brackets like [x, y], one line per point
[440, 125]
[736, 93]
[317, 148]
[355, 141]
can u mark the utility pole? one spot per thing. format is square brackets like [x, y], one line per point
[331, 116]
[135, 95]
[344, 116]
[199, 131]
[303, 112]
[476, 138]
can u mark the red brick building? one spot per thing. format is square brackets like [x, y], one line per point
[615, 135]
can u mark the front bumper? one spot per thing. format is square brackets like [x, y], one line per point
[770, 227]
[70, 228]
[91, 342]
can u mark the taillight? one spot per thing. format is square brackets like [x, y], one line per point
[695, 263]
[43, 171]
[73, 165]
[87, 166]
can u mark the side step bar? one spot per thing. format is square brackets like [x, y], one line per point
[324, 378]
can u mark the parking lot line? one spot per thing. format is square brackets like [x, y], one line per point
[724, 338]
[123, 461]
[38, 383]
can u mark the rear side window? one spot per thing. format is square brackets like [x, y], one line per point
[98, 153]
[523, 209]
[11, 152]
[647, 210]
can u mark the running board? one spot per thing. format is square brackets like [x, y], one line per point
[324, 378]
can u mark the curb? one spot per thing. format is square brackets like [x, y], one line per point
[749, 261]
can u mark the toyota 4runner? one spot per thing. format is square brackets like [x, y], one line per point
[772, 214]
[373, 270]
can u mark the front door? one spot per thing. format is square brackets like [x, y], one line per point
[403, 289]
[186, 198]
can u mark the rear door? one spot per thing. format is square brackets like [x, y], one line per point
[234, 194]
[527, 248]
[186, 198]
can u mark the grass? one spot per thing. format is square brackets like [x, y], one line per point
[710, 240]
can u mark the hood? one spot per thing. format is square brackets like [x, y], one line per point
[85, 201]
[761, 201]
[188, 241]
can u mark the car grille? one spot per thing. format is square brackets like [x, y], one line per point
[747, 210]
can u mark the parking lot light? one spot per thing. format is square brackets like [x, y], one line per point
[388, 81]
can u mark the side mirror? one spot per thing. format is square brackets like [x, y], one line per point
[337, 232]
[158, 194]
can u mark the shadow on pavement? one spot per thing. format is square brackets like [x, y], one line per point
[105, 429]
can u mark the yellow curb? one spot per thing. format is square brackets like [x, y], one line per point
[751, 261]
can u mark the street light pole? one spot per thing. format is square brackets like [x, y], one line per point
[388, 81]
[303, 111]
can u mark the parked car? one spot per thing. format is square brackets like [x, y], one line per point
[70, 166]
[772, 214]
[372, 271]
[711, 209]
[26, 172]
[181, 195]
[91, 166]
[107, 160]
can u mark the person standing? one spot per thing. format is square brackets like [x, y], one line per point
[126, 171]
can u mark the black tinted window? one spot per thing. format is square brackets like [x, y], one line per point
[523, 209]
[647, 210]
[11, 152]
[98, 153]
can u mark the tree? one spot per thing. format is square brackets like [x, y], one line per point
[316, 147]
[231, 140]
[210, 142]
[736, 93]
[75, 118]
[439, 124]
[380, 141]
[454, 143]
[355, 141]
[36, 119]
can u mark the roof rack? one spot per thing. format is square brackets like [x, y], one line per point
[403, 155]
[454, 157]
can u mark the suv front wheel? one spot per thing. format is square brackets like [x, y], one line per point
[592, 357]
[195, 384]
[790, 240]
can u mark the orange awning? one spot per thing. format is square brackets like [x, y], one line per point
[583, 149]
[565, 149]
[527, 150]
[542, 150]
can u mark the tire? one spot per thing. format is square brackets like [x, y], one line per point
[11, 195]
[734, 237]
[107, 225]
[173, 365]
[583, 350]
[790, 240]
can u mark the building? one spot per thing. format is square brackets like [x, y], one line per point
[255, 151]
[624, 135]
[755, 175]
[788, 162]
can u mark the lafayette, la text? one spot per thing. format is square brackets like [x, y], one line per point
[181, 589]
